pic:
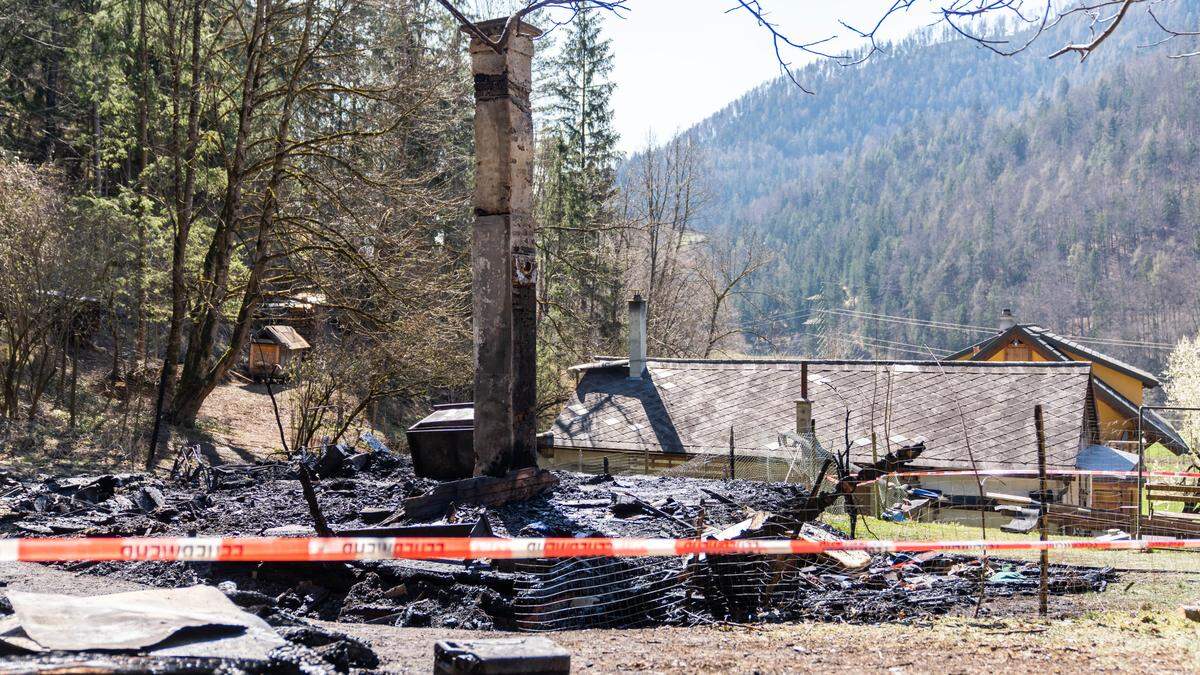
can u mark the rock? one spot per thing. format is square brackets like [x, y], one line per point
[150, 499]
[1191, 612]
[332, 461]
[502, 655]
[374, 514]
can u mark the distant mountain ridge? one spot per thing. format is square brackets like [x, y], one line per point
[941, 181]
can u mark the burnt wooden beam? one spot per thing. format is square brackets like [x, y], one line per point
[314, 507]
[818, 501]
[481, 491]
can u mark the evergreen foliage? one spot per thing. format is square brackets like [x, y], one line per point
[941, 183]
[581, 294]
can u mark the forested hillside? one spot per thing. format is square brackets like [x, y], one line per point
[944, 183]
[179, 178]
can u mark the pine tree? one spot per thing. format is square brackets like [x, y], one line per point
[581, 278]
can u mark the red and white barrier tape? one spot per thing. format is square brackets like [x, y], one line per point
[308, 549]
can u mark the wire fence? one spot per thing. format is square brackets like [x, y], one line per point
[1106, 478]
[1110, 500]
[585, 593]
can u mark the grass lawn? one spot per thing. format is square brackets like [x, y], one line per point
[873, 528]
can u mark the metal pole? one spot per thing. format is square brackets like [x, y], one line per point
[1043, 498]
[877, 489]
[1137, 524]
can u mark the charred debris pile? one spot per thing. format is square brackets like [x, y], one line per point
[375, 493]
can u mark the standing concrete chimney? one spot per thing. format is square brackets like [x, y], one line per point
[503, 265]
[803, 404]
[637, 337]
[1006, 319]
[803, 416]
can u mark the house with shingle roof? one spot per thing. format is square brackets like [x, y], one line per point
[969, 413]
[1118, 387]
[963, 411]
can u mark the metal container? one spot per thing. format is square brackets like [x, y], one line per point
[441, 444]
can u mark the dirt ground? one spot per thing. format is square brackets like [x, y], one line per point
[237, 418]
[1134, 627]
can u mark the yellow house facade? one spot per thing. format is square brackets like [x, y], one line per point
[1118, 388]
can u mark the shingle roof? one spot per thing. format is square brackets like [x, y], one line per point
[285, 336]
[1092, 355]
[1054, 345]
[689, 406]
[1152, 422]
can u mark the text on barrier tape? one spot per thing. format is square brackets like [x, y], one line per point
[309, 549]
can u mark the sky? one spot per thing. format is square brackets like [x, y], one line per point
[679, 61]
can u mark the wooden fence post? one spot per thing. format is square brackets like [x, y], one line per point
[1043, 498]
[731, 470]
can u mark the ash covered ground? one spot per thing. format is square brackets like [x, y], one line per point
[358, 492]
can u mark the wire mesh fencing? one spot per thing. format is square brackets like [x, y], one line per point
[587, 593]
[1135, 488]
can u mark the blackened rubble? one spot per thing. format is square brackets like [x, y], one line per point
[356, 493]
[307, 648]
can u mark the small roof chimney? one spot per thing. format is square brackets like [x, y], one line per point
[1007, 320]
[637, 337]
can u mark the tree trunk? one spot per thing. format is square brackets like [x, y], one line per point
[74, 381]
[115, 324]
[184, 196]
[143, 135]
[199, 379]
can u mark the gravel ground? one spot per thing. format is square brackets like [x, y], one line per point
[1135, 630]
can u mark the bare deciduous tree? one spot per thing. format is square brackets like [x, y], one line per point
[45, 275]
[690, 280]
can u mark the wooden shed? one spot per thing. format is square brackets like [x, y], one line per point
[273, 350]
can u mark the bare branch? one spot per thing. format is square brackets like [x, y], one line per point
[1086, 49]
[779, 40]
